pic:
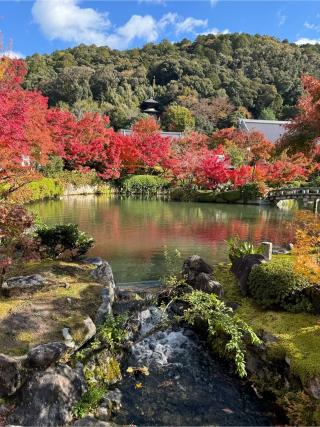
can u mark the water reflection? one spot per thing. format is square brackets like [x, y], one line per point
[131, 233]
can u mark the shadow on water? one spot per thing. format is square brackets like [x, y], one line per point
[131, 233]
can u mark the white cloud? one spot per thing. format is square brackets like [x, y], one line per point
[305, 40]
[168, 20]
[65, 20]
[12, 54]
[140, 27]
[282, 18]
[215, 32]
[310, 26]
[214, 2]
[189, 25]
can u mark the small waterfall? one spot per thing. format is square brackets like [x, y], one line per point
[173, 380]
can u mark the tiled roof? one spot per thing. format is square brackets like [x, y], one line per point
[272, 129]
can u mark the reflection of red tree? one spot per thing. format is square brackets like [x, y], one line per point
[126, 231]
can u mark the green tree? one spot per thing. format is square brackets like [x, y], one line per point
[267, 114]
[178, 119]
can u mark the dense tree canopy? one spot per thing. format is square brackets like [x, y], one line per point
[256, 75]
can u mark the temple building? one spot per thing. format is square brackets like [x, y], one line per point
[151, 106]
[272, 129]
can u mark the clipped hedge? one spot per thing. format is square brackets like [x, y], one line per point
[277, 285]
[144, 183]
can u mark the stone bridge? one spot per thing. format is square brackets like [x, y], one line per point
[304, 193]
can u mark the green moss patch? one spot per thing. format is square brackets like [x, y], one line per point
[69, 298]
[298, 334]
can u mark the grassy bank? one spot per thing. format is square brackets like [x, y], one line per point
[64, 183]
[297, 335]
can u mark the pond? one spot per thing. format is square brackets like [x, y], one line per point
[131, 234]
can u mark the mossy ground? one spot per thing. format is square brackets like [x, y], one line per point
[38, 317]
[298, 335]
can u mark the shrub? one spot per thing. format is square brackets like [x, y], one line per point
[315, 181]
[277, 285]
[295, 184]
[54, 166]
[307, 246]
[37, 190]
[78, 179]
[223, 327]
[89, 401]
[15, 239]
[61, 238]
[144, 183]
[251, 191]
[239, 248]
[230, 196]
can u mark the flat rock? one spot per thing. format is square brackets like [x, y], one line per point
[16, 285]
[48, 398]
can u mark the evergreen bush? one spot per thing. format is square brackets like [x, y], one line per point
[144, 183]
[61, 238]
[277, 285]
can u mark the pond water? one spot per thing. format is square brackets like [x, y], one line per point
[131, 234]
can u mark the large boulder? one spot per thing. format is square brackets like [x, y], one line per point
[48, 398]
[44, 355]
[199, 275]
[241, 268]
[12, 374]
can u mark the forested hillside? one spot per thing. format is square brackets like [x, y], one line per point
[218, 78]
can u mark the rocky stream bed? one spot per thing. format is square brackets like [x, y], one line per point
[162, 373]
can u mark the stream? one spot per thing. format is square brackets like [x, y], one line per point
[185, 385]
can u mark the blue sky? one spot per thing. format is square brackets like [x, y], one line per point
[47, 25]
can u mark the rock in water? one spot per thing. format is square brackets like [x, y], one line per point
[11, 374]
[44, 355]
[48, 398]
[242, 267]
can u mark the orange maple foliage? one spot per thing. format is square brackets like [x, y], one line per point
[307, 246]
